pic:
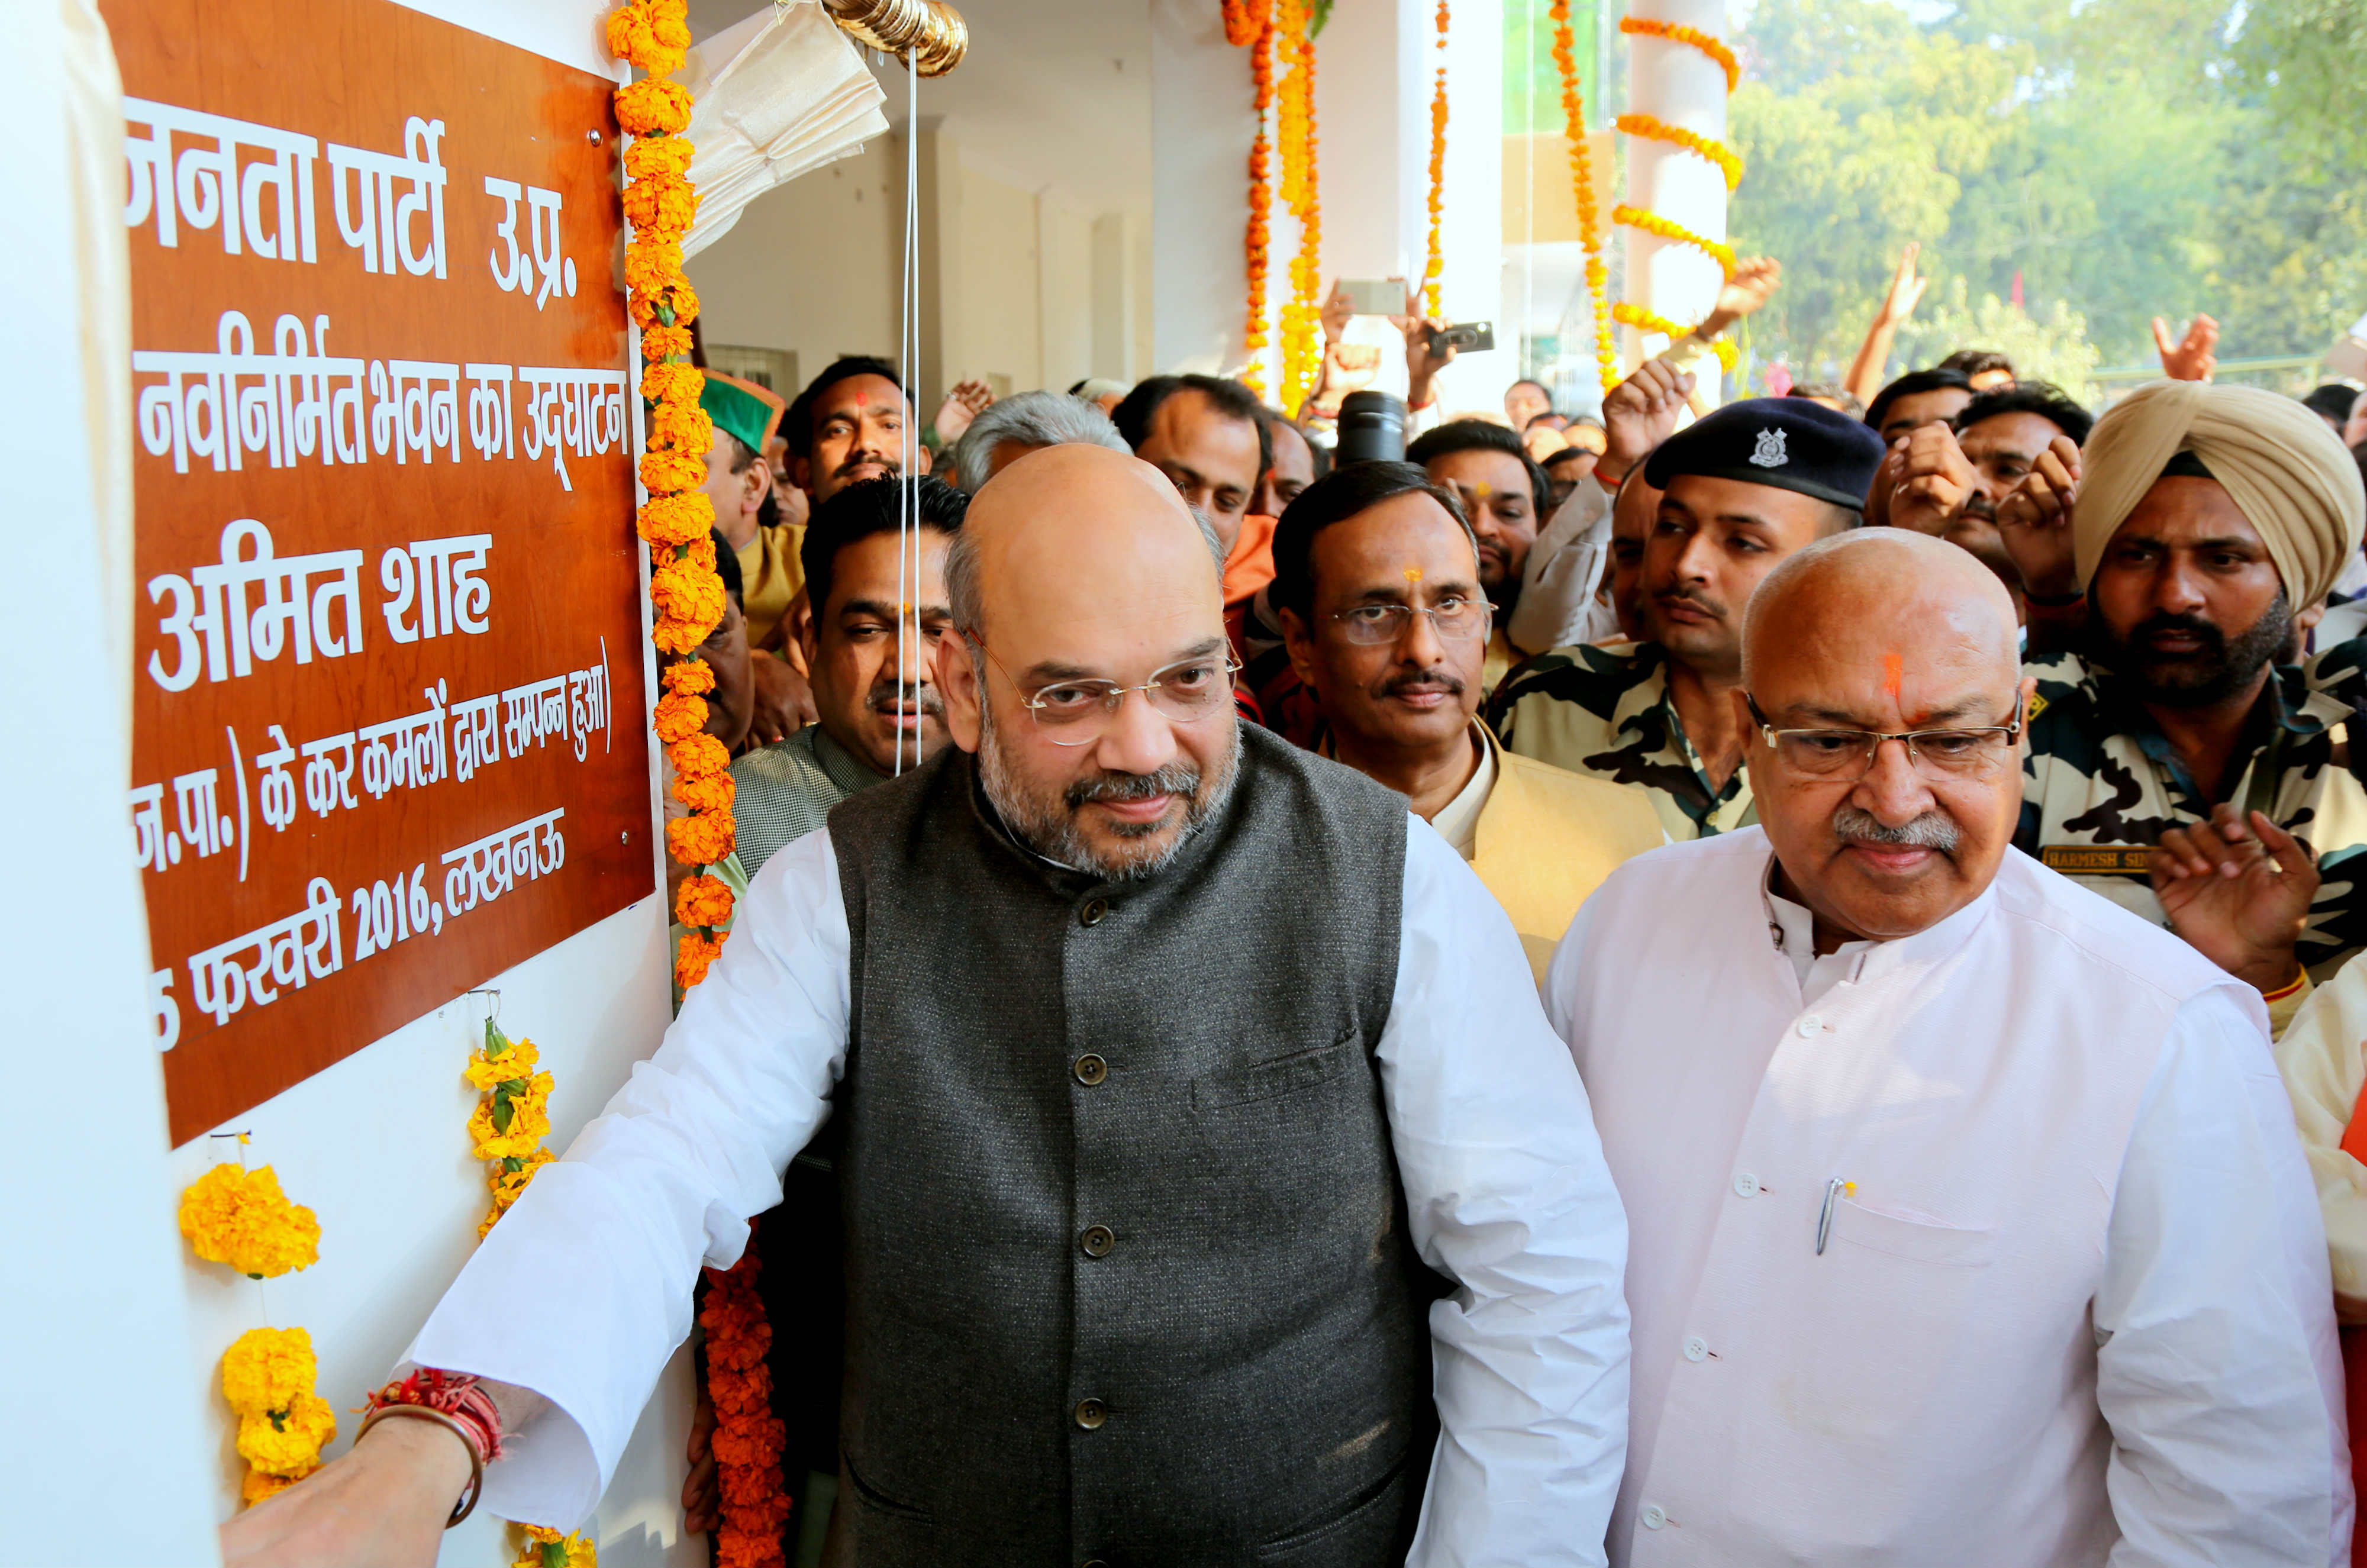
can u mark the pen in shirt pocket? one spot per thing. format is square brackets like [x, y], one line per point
[1835, 1190]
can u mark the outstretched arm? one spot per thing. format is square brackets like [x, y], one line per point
[1865, 376]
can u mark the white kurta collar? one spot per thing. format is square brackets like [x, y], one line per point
[1792, 927]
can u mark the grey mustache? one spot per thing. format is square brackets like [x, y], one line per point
[1929, 831]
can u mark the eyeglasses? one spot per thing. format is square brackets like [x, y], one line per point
[1847, 755]
[1078, 713]
[1377, 625]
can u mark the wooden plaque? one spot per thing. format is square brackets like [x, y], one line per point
[388, 724]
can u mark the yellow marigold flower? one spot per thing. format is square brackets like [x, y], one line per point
[664, 343]
[712, 793]
[700, 841]
[287, 1441]
[702, 900]
[529, 1123]
[690, 603]
[265, 1369]
[510, 1185]
[517, 1062]
[259, 1484]
[691, 677]
[635, 35]
[700, 756]
[652, 105]
[684, 428]
[240, 1218]
[693, 957]
[549, 1548]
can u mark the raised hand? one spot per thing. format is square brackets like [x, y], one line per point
[1754, 283]
[2035, 522]
[965, 402]
[1931, 481]
[1906, 288]
[1638, 415]
[2194, 357]
[784, 699]
[1420, 364]
[2238, 892]
[1338, 311]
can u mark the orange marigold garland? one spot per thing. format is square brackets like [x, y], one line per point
[1676, 33]
[1256, 235]
[1302, 318]
[1245, 19]
[688, 594]
[1727, 161]
[1589, 221]
[676, 520]
[1435, 267]
[1669, 228]
[748, 1437]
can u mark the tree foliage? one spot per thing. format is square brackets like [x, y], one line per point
[2123, 158]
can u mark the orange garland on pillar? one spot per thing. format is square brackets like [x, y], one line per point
[1256, 235]
[677, 524]
[1435, 267]
[1302, 320]
[1589, 221]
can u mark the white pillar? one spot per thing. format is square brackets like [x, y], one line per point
[1680, 85]
[1201, 124]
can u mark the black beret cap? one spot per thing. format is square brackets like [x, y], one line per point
[1784, 443]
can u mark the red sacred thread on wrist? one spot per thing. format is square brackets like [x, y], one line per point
[455, 1395]
[2287, 989]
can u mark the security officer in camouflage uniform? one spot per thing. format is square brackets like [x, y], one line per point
[2184, 566]
[1744, 487]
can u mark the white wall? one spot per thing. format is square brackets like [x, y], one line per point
[99, 1447]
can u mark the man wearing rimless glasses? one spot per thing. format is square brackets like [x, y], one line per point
[1215, 1189]
[1969, 1222]
[1377, 582]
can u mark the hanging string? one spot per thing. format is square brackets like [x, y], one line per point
[907, 504]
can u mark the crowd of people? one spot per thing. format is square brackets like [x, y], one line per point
[1779, 983]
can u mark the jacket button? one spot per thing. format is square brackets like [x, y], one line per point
[1090, 1070]
[1097, 1241]
[1091, 915]
[1090, 1414]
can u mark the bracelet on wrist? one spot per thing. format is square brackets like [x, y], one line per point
[457, 1403]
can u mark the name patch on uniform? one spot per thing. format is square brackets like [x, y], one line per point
[2093, 860]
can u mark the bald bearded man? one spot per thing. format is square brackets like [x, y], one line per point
[1970, 1224]
[1136, 1213]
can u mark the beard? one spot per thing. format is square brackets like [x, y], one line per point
[1045, 817]
[2216, 670]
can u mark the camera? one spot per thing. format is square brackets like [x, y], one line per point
[1371, 429]
[1477, 336]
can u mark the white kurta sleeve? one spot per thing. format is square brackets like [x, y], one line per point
[1507, 1195]
[583, 1290]
[2216, 1368]
[1558, 580]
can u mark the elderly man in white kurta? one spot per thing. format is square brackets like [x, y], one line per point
[1969, 1225]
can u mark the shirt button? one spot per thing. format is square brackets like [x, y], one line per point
[1696, 1348]
[1091, 1070]
[1746, 1186]
[1090, 1414]
[1809, 1025]
[1097, 1241]
[1091, 915]
[1652, 1517]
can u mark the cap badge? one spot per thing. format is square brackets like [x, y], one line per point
[1770, 453]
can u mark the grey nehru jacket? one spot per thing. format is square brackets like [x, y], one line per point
[1128, 1277]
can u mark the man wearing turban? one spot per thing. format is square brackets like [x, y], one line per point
[2182, 760]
